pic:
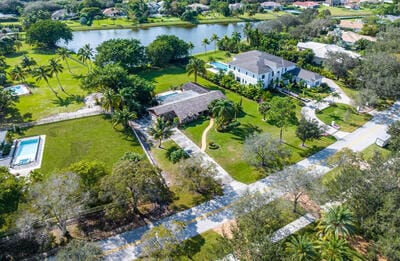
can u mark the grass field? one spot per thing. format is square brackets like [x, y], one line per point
[42, 102]
[338, 114]
[182, 198]
[341, 11]
[91, 138]
[230, 153]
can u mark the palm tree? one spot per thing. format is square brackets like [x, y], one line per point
[236, 36]
[335, 95]
[338, 221]
[18, 74]
[42, 73]
[247, 30]
[27, 63]
[205, 42]
[162, 129]
[190, 47]
[110, 100]
[238, 106]
[85, 54]
[223, 111]
[2, 61]
[195, 66]
[301, 248]
[334, 249]
[54, 68]
[123, 117]
[18, 44]
[214, 38]
[64, 55]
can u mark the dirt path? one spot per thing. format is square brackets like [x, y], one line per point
[204, 135]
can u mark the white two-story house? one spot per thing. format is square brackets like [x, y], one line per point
[254, 66]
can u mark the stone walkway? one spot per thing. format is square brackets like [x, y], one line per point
[204, 135]
[293, 227]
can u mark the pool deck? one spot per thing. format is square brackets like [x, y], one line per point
[25, 170]
[27, 91]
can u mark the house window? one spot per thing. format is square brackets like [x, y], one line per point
[272, 74]
[263, 76]
[234, 68]
[238, 70]
[253, 75]
[246, 73]
[238, 79]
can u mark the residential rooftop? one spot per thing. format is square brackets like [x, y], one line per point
[321, 50]
[259, 62]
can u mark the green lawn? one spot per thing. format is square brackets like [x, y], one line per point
[230, 153]
[338, 112]
[91, 138]
[341, 11]
[42, 102]
[182, 198]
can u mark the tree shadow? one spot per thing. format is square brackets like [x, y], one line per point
[192, 246]
[245, 130]
[65, 102]
[16, 54]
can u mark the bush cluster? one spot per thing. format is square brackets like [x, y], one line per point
[175, 154]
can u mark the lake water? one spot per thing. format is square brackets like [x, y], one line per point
[194, 34]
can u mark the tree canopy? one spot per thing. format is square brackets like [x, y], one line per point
[48, 33]
[166, 48]
[128, 53]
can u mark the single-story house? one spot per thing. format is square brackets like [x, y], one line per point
[113, 12]
[62, 14]
[334, 2]
[321, 50]
[353, 25]
[198, 7]
[186, 104]
[271, 6]
[153, 7]
[350, 37]
[254, 67]
[306, 5]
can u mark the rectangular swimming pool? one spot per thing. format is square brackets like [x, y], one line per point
[20, 89]
[219, 66]
[26, 151]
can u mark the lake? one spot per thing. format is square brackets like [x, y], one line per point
[194, 34]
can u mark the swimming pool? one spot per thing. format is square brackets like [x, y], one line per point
[20, 89]
[163, 97]
[26, 151]
[219, 66]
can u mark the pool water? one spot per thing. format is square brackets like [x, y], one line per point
[26, 151]
[219, 66]
[167, 96]
[18, 89]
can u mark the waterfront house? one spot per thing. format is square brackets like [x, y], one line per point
[321, 50]
[255, 67]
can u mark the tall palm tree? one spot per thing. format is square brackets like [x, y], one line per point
[300, 248]
[247, 30]
[205, 42]
[64, 54]
[3, 61]
[85, 54]
[162, 129]
[214, 38]
[27, 63]
[190, 47]
[123, 117]
[110, 100]
[338, 221]
[335, 249]
[195, 66]
[42, 73]
[236, 36]
[55, 67]
[18, 74]
[223, 111]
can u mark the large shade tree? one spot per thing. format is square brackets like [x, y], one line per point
[48, 33]
[282, 113]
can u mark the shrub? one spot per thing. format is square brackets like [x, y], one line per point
[175, 154]
[213, 146]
